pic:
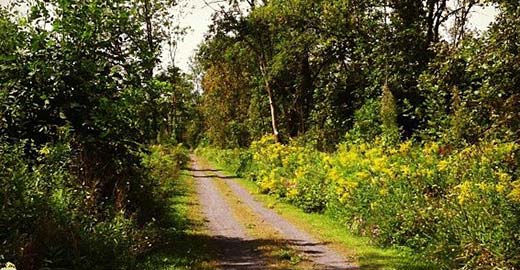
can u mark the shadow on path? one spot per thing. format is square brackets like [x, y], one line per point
[214, 176]
[200, 170]
[230, 253]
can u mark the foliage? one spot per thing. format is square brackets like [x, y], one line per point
[388, 113]
[235, 160]
[165, 161]
[367, 123]
[459, 208]
[449, 205]
[45, 221]
[82, 95]
[308, 66]
[78, 104]
[430, 156]
[293, 172]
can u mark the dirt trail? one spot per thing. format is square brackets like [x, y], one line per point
[239, 254]
[234, 247]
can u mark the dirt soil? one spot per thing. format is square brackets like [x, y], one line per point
[239, 251]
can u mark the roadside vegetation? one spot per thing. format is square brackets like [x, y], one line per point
[396, 120]
[88, 134]
[377, 118]
[454, 209]
[187, 243]
[326, 228]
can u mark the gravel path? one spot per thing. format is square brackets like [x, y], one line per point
[236, 250]
[223, 223]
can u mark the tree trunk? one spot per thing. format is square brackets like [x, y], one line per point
[271, 101]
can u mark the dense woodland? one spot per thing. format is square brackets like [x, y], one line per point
[392, 116]
[322, 64]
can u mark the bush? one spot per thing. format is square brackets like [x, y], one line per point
[44, 221]
[293, 172]
[165, 162]
[460, 208]
[235, 160]
[367, 124]
[431, 200]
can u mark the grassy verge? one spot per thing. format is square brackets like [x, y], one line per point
[329, 230]
[188, 246]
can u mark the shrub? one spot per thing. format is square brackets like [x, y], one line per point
[165, 162]
[367, 123]
[460, 208]
[235, 160]
[44, 221]
[452, 206]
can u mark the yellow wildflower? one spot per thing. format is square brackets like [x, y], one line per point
[285, 162]
[327, 159]
[363, 147]
[503, 177]
[344, 197]
[515, 193]
[500, 188]
[404, 148]
[405, 170]
[392, 151]
[346, 158]
[265, 184]
[379, 163]
[299, 173]
[468, 152]
[45, 150]
[362, 175]
[443, 164]
[431, 148]
[374, 205]
[334, 175]
[292, 193]
[483, 186]
[373, 153]
[427, 172]
[464, 192]
[351, 185]
[388, 172]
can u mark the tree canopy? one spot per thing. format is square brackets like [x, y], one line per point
[319, 62]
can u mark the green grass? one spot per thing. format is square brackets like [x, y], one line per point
[187, 245]
[327, 229]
